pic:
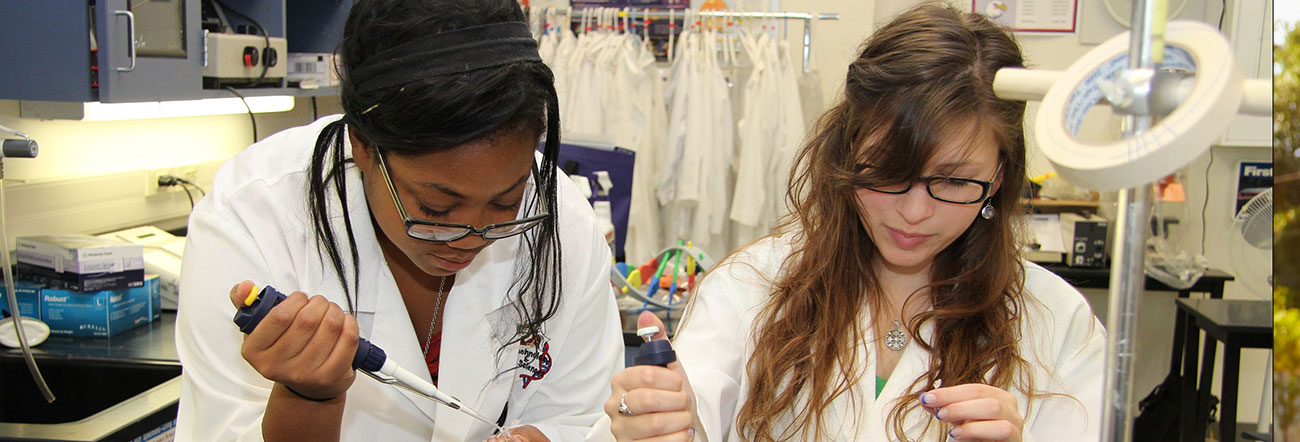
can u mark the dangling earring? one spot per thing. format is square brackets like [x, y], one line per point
[988, 211]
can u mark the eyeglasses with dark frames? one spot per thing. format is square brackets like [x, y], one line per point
[943, 188]
[447, 232]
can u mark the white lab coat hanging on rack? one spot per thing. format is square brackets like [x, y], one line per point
[792, 134]
[672, 156]
[758, 134]
[584, 116]
[712, 223]
[634, 127]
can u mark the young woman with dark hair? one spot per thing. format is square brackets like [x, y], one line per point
[423, 219]
[893, 304]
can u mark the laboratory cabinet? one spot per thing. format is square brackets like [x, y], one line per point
[131, 50]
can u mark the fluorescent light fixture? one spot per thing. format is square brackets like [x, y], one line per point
[96, 111]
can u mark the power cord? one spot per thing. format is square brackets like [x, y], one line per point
[1222, 11]
[172, 180]
[1206, 203]
[191, 183]
[252, 119]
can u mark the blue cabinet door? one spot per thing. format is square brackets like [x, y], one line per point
[126, 74]
[45, 54]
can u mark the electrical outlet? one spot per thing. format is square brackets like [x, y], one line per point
[188, 172]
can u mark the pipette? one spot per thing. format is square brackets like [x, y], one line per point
[370, 359]
[658, 352]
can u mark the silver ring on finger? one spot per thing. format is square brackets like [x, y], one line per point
[622, 406]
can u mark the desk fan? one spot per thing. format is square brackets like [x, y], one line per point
[1251, 243]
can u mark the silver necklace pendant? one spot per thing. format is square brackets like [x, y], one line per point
[895, 340]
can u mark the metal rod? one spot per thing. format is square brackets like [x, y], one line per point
[662, 14]
[1126, 284]
[670, 14]
[807, 44]
[1127, 276]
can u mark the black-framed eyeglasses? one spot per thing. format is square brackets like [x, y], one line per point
[943, 188]
[447, 232]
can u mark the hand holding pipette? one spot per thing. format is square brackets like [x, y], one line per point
[653, 398]
[345, 356]
[307, 345]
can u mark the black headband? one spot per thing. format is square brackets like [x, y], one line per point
[452, 52]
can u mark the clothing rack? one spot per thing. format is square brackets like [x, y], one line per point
[673, 14]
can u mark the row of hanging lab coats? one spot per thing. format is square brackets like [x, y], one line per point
[713, 142]
[770, 133]
[609, 89]
[695, 163]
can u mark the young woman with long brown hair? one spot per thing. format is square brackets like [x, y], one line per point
[893, 303]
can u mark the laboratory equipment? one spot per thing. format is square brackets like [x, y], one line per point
[659, 352]
[247, 56]
[645, 294]
[639, 294]
[238, 59]
[1177, 88]
[370, 359]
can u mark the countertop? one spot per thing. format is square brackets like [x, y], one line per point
[153, 343]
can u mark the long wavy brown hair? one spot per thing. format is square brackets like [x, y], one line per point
[924, 74]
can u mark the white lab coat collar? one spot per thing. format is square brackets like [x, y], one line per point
[858, 413]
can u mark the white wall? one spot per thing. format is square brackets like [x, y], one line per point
[90, 176]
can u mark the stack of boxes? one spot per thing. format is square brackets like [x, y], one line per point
[82, 285]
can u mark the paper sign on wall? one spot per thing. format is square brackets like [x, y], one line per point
[1253, 177]
[1030, 15]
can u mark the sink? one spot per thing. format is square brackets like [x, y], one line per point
[96, 400]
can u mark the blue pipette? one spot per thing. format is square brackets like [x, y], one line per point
[370, 359]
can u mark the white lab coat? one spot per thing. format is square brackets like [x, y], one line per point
[1062, 340]
[694, 165]
[635, 120]
[254, 225]
[771, 132]
[759, 133]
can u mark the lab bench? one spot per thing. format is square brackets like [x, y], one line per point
[106, 389]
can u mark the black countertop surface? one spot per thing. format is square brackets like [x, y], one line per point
[152, 343]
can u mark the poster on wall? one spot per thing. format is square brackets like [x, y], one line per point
[1253, 177]
[1030, 15]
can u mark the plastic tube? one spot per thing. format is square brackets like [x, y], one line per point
[13, 301]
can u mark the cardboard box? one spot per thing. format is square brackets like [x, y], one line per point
[80, 262]
[29, 300]
[101, 313]
[153, 283]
